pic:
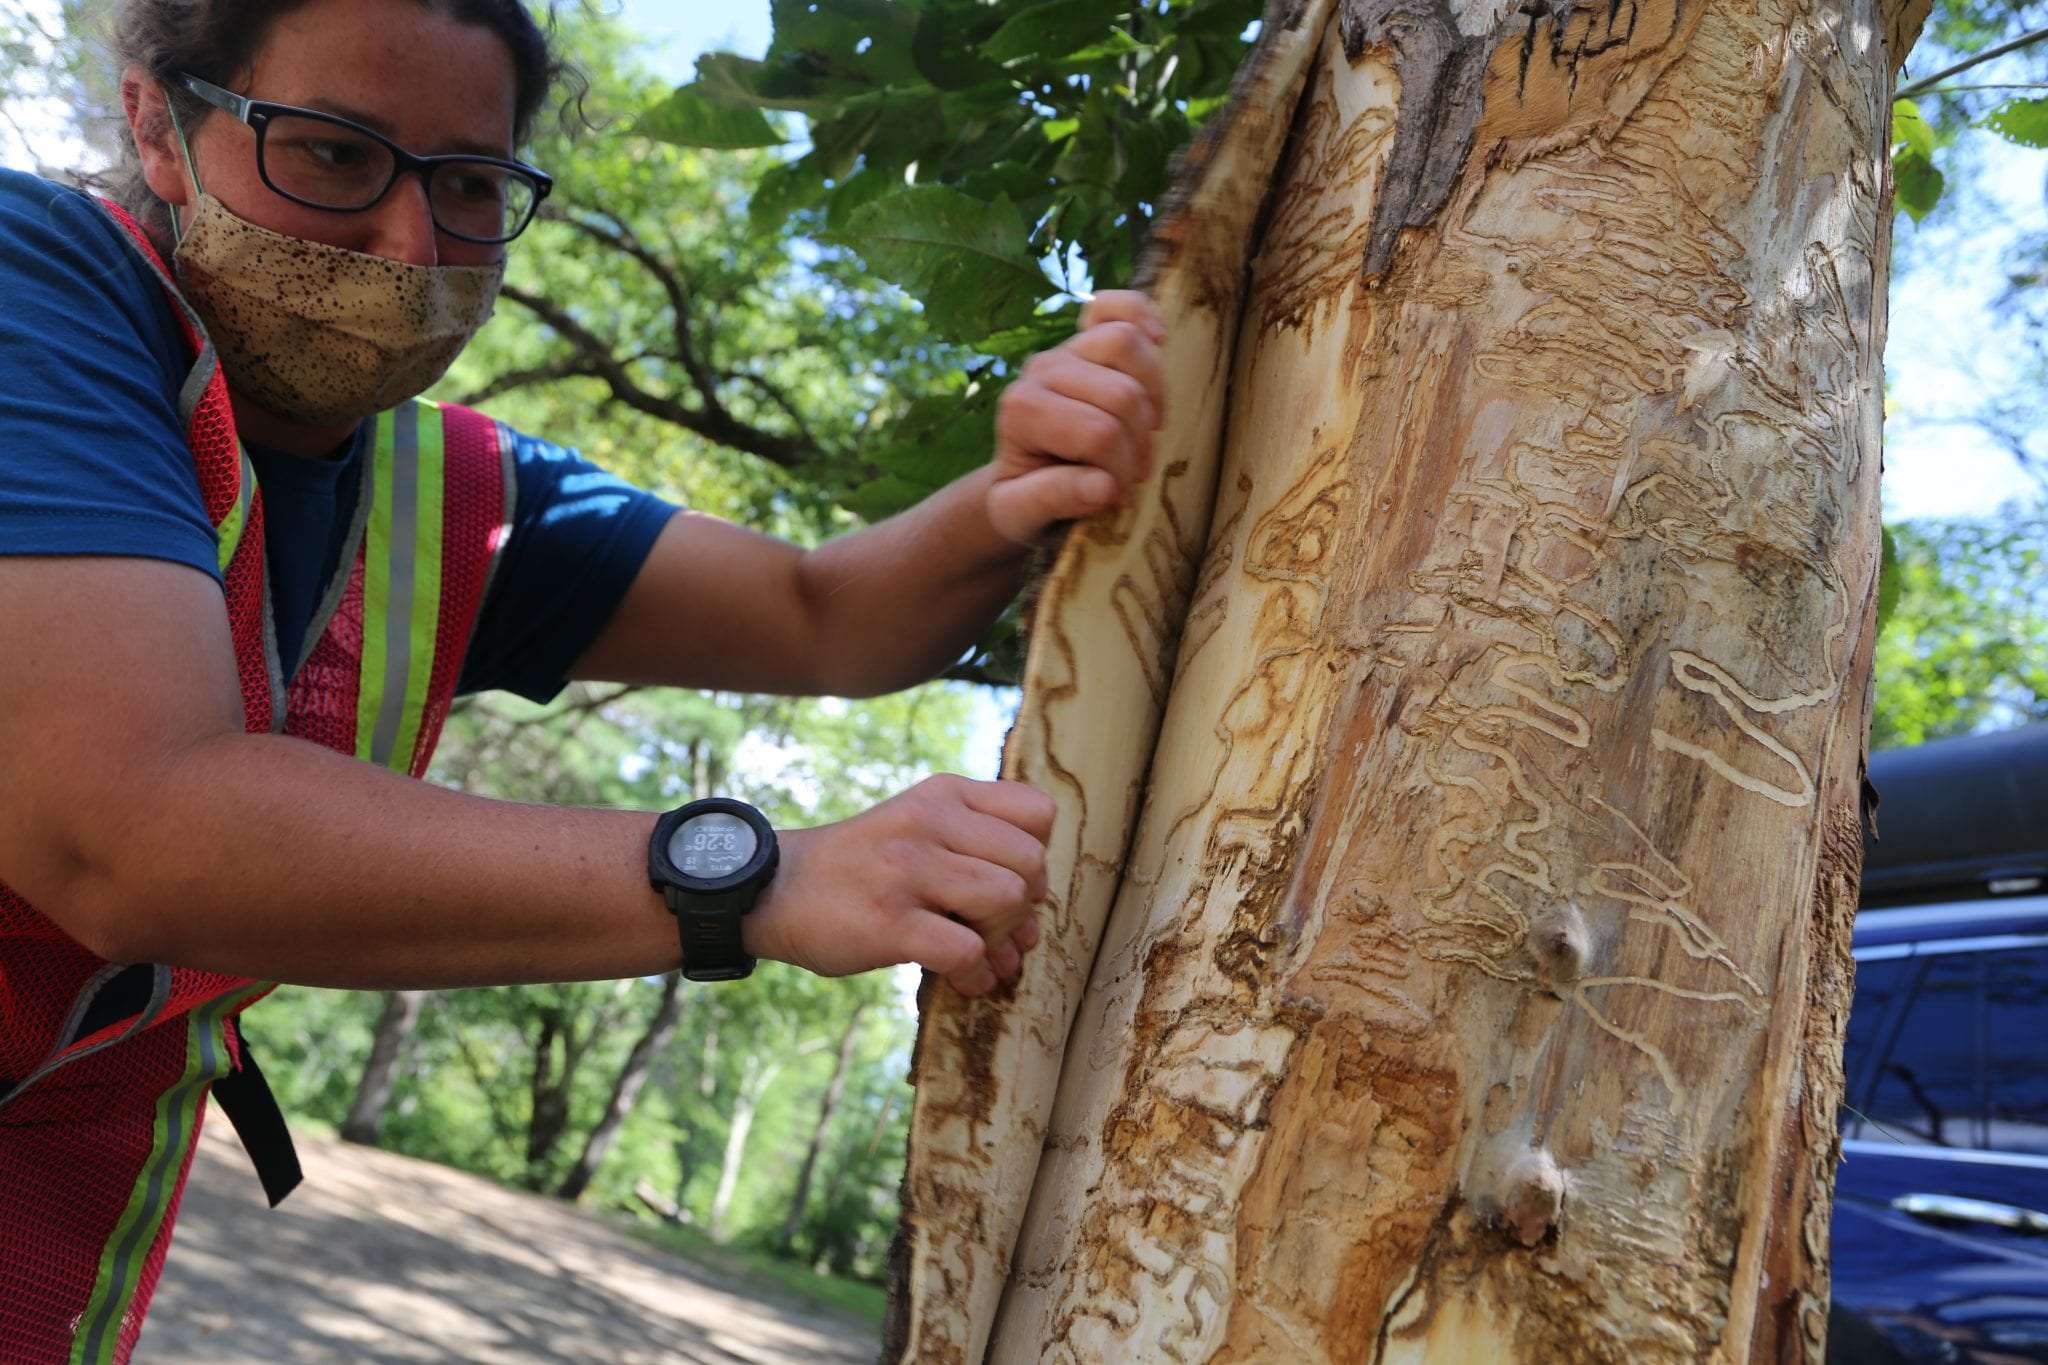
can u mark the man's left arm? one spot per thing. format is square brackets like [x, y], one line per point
[719, 606]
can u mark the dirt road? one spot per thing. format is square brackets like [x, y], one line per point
[378, 1259]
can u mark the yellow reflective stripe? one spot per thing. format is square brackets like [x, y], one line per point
[401, 584]
[156, 1184]
[229, 533]
[427, 544]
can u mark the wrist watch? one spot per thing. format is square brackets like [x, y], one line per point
[710, 860]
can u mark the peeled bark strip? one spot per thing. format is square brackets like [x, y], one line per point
[1112, 616]
[1475, 980]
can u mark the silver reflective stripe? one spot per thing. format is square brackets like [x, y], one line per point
[201, 376]
[159, 993]
[351, 550]
[402, 548]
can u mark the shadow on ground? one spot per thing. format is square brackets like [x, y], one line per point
[378, 1260]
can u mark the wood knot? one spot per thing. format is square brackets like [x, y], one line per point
[1559, 943]
[1532, 1196]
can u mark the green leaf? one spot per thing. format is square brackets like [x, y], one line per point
[1917, 184]
[869, 40]
[2021, 121]
[1910, 130]
[838, 141]
[966, 260]
[782, 192]
[742, 83]
[688, 118]
[938, 438]
[1042, 333]
[1888, 584]
[854, 193]
[1051, 31]
[946, 47]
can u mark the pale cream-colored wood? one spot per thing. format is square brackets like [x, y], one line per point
[1097, 672]
[1475, 980]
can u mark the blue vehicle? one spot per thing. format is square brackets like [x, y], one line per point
[1941, 1203]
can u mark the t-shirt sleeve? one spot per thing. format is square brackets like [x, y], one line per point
[579, 537]
[93, 458]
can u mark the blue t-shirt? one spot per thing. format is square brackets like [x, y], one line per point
[93, 459]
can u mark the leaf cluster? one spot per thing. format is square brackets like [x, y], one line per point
[1964, 641]
[995, 160]
[1927, 129]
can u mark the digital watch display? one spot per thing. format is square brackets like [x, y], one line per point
[710, 860]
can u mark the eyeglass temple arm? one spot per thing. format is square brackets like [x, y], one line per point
[236, 105]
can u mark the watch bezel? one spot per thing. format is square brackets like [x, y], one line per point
[662, 871]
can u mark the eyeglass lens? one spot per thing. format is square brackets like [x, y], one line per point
[333, 167]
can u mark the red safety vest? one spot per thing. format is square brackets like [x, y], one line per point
[105, 1068]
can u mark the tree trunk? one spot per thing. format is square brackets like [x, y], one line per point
[548, 1111]
[1460, 826]
[835, 1089]
[745, 1101]
[395, 1025]
[626, 1089]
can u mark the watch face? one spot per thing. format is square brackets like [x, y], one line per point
[712, 846]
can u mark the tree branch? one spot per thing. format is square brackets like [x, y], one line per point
[1927, 83]
[717, 425]
[620, 238]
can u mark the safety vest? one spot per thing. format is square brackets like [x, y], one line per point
[105, 1068]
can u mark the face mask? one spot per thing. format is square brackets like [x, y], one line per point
[317, 333]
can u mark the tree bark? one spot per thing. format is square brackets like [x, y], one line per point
[835, 1090]
[626, 1090]
[395, 1025]
[1460, 824]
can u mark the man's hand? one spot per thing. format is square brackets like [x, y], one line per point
[946, 875]
[1074, 433]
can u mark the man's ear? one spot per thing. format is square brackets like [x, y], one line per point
[156, 141]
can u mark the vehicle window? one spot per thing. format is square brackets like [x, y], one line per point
[1928, 1087]
[2016, 1063]
[1880, 985]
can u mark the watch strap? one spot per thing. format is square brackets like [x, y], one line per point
[710, 928]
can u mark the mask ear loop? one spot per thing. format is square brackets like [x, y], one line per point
[191, 168]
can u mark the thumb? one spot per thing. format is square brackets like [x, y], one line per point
[1020, 508]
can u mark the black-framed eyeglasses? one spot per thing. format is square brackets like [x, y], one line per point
[326, 162]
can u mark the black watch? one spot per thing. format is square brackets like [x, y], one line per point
[710, 860]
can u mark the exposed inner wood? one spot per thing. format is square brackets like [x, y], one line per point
[1472, 984]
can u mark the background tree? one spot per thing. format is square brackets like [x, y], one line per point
[1966, 646]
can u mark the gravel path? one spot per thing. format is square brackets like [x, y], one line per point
[380, 1259]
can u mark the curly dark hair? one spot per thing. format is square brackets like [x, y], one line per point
[216, 40]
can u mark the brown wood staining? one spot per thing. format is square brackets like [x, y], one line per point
[1113, 611]
[1474, 981]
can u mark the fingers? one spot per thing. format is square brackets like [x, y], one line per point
[1124, 305]
[1124, 396]
[993, 900]
[1000, 843]
[1021, 508]
[1018, 803]
[1125, 349]
[952, 950]
[1045, 421]
[991, 873]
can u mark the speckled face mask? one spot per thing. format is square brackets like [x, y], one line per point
[321, 334]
